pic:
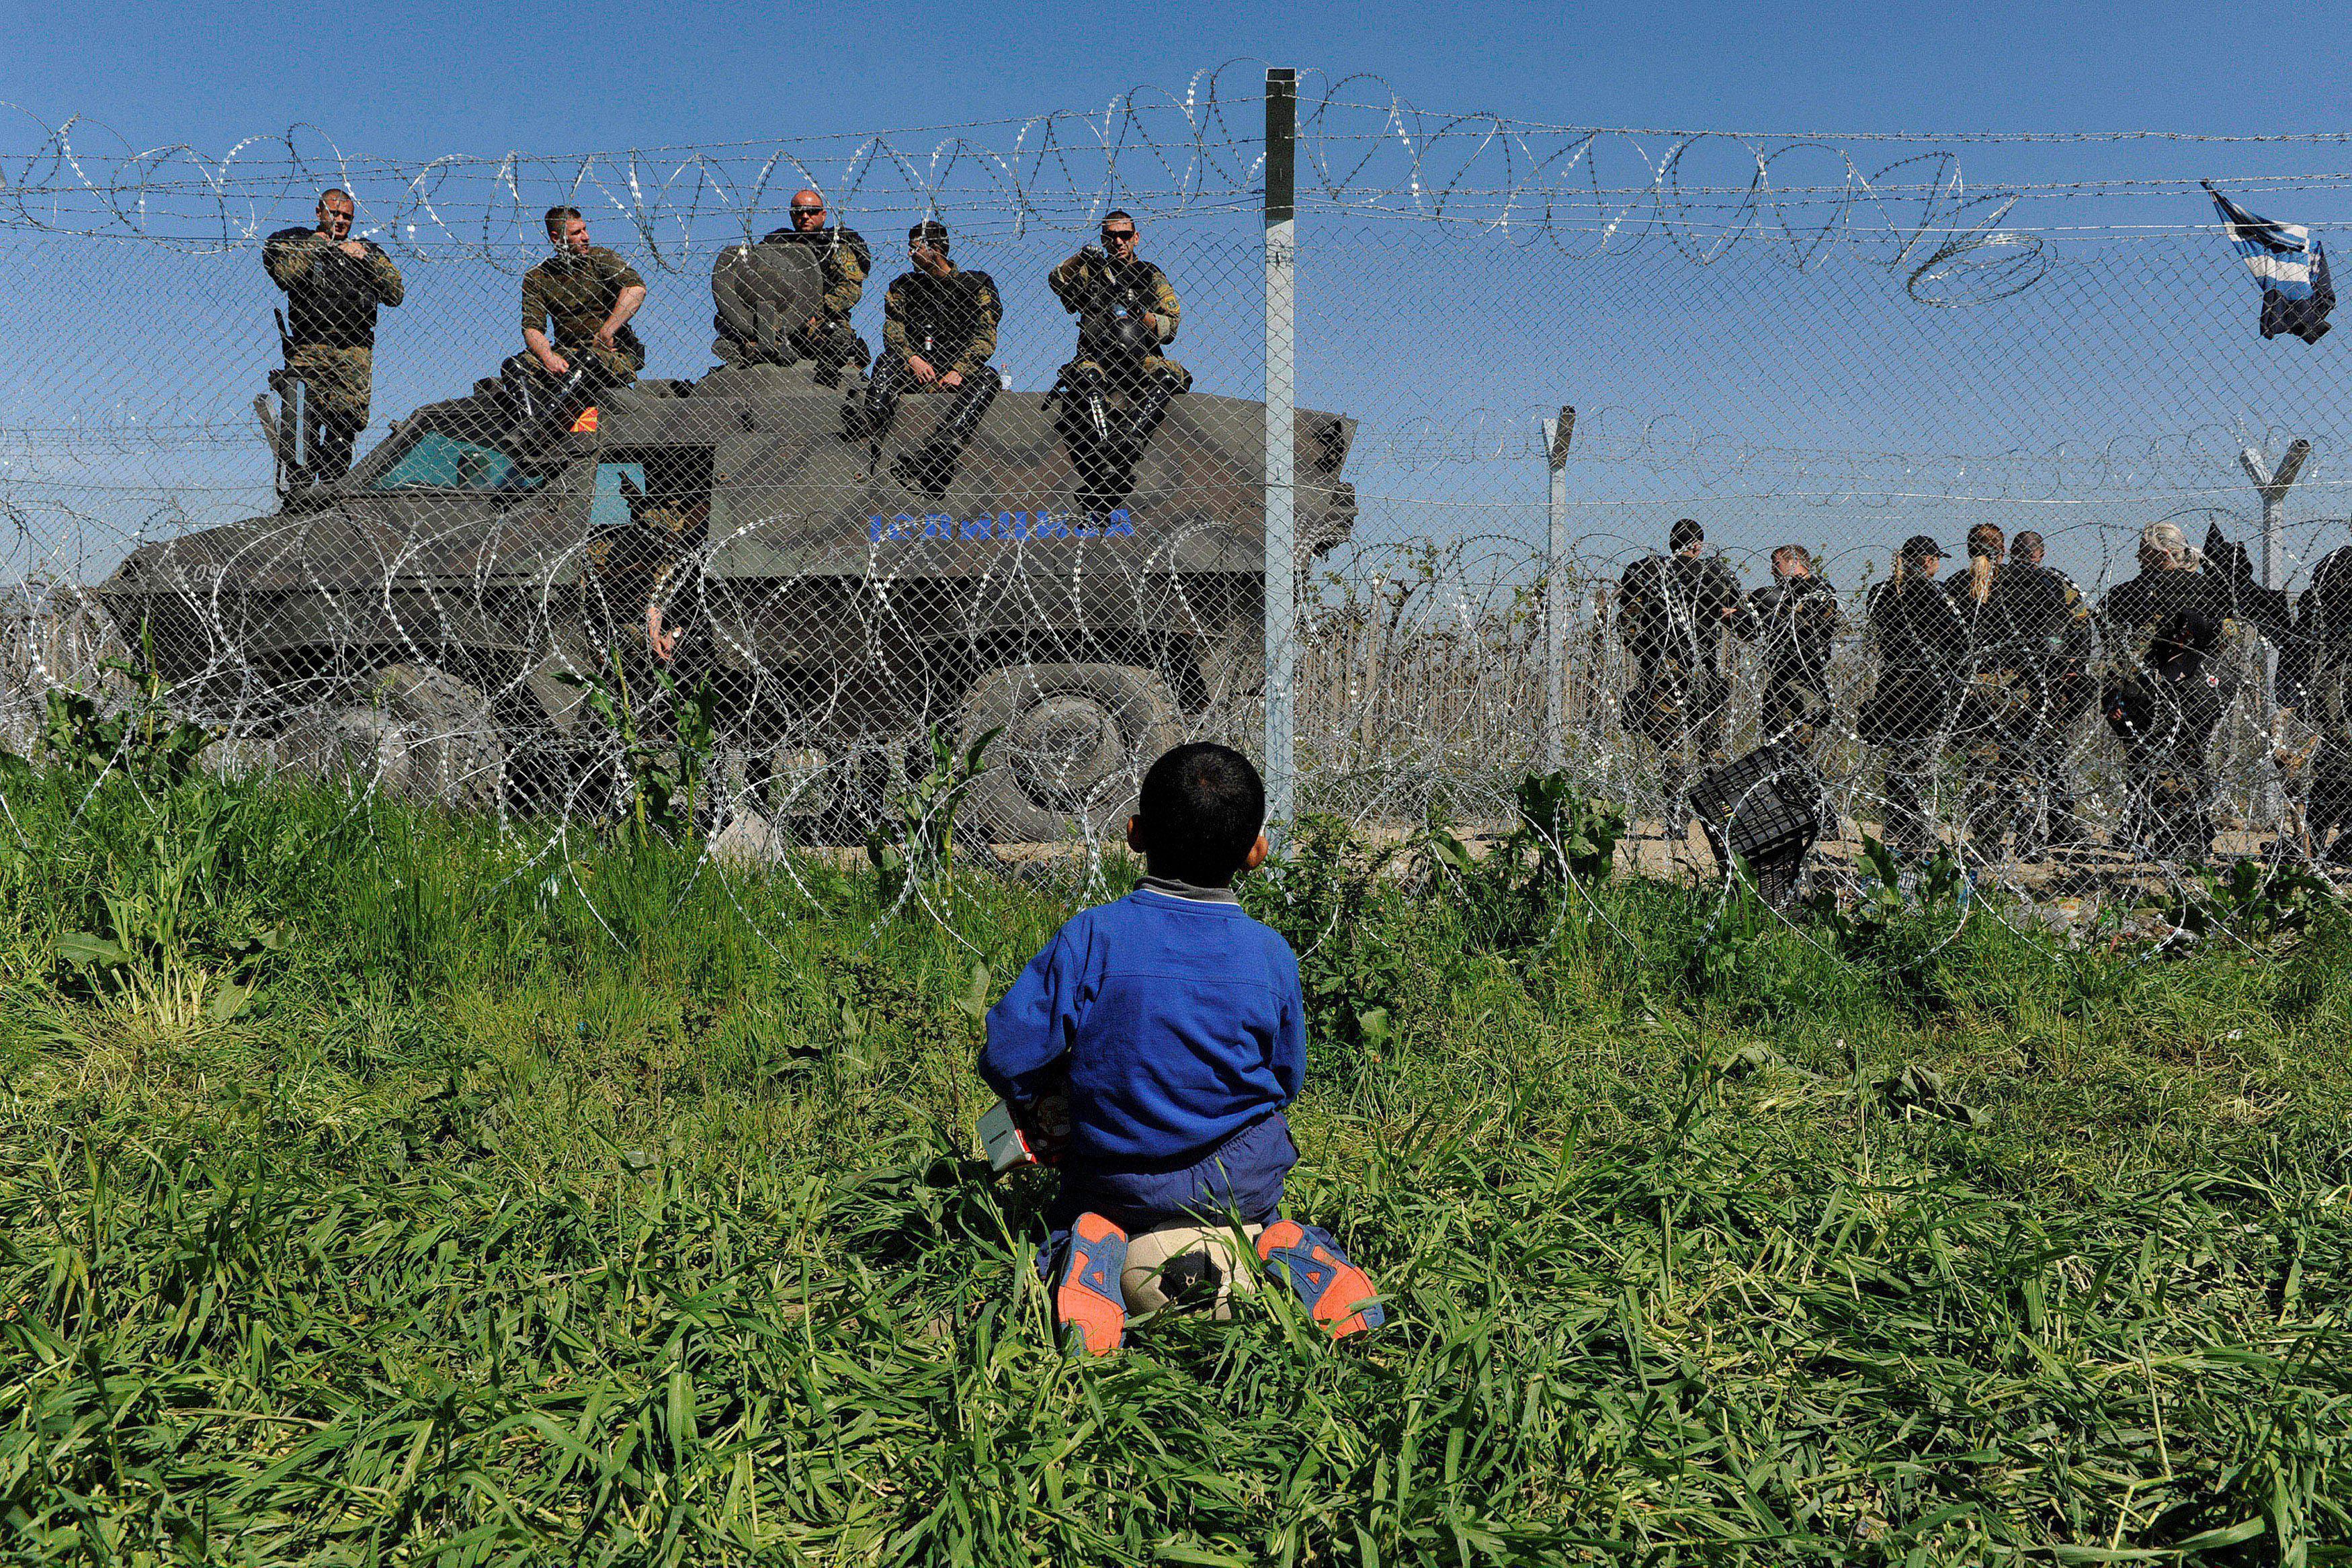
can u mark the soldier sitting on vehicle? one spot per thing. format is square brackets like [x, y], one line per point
[1127, 313]
[826, 338]
[938, 328]
[333, 285]
[589, 294]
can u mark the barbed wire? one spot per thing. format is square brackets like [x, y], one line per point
[1837, 341]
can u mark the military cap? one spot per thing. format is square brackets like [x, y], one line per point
[930, 232]
[1920, 547]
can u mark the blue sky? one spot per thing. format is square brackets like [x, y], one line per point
[2155, 348]
[404, 79]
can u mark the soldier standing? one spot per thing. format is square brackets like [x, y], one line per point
[1128, 311]
[589, 294]
[333, 285]
[2168, 690]
[1677, 608]
[1794, 619]
[1922, 644]
[2048, 623]
[939, 331]
[2315, 679]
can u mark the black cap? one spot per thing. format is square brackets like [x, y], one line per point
[1684, 534]
[1920, 547]
[930, 232]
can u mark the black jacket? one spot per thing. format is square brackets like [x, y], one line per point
[950, 321]
[1794, 620]
[1673, 608]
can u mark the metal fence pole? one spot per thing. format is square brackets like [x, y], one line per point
[2272, 485]
[1556, 435]
[1281, 569]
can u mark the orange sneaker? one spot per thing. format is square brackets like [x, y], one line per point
[1088, 1301]
[1309, 1261]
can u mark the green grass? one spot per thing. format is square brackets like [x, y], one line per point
[407, 1194]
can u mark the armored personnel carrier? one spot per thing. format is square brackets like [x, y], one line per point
[426, 620]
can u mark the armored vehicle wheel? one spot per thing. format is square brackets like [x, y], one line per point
[1076, 740]
[409, 729]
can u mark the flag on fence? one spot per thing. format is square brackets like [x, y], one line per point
[2290, 266]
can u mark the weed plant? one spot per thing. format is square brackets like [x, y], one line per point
[606, 1207]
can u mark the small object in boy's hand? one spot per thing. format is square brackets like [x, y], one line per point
[1045, 1123]
[1001, 1139]
[1031, 1134]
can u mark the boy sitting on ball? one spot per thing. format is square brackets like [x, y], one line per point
[1174, 1024]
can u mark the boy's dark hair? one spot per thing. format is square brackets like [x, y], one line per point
[557, 217]
[1684, 534]
[1201, 807]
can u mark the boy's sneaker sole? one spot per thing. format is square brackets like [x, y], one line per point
[1088, 1301]
[1309, 1261]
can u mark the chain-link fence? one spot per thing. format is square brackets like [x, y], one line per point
[554, 472]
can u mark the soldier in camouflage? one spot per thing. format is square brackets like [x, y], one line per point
[643, 572]
[588, 294]
[826, 339]
[938, 331]
[1128, 312]
[333, 285]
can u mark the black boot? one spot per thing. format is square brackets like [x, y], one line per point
[1143, 417]
[881, 407]
[331, 458]
[933, 464]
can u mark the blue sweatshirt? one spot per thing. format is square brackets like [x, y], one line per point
[1179, 1020]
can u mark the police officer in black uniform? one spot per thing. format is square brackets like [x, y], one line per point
[1794, 621]
[939, 331]
[1921, 646]
[1675, 610]
[2170, 687]
[2027, 682]
[2315, 679]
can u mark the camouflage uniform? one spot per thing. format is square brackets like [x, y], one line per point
[1118, 356]
[1091, 276]
[645, 564]
[950, 324]
[1673, 620]
[843, 261]
[331, 300]
[577, 293]
[2027, 683]
[1795, 620]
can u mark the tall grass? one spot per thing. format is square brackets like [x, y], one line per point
[607, 1208]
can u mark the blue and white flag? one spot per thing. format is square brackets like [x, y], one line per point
[2288, 265]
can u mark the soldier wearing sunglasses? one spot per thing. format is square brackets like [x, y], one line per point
[828, 337]
[1128, 312]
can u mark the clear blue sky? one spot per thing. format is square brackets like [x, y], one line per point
[402, 80]
[2159, 349]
